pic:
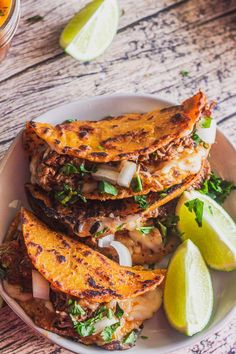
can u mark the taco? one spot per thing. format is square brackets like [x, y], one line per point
[125, 219]
[70, 289]
[117, 158]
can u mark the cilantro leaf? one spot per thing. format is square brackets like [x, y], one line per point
[75, 308]
[84, 329]
[69, 169]
[136, 184]
[120, 227]
[206, 122]
[130, 338]
[196, 138]
[217, 188]
[141, 200]
[144, 337]
[108, 332]
[167, 226]
[68, 195]
[119, 312]
[184, 73]
[106, 187]
[196, 205]
[70, 120]
[145, 230]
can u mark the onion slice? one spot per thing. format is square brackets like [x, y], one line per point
[126, 174]
[106, 174]
[40, 286]
[99, 326]
[106, 241]
[123, 253]
[207, 135]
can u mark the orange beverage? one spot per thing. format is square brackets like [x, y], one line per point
[9, 19]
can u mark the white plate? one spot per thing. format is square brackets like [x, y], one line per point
[14, 173]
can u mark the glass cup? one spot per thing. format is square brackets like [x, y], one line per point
[9, 27]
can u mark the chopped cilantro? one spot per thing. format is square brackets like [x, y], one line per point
[110, 313]
[217, 188]
[144, 337]
[120, 227]
[68, 195]
[130, 338]
[119, 312]
[70, 120]
[136, 184]
[108, 332]
[184, 73]
[145, 230]
[106, 187]
[141, 200]
[34, 19]
[196, 205]
[206, 122]
[100, 147]
[69, 168]
[196, 138]
[84, 329]
[75, 308]
[167, 226]
[101, 232]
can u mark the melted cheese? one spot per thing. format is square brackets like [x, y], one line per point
[190, 161]
[152, 241]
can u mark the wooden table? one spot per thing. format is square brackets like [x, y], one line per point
[157, 39]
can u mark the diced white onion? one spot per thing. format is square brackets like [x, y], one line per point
[105, 241]
[40, 286]
[89, 187]
[15, 292]
[123, 253]
[126, 174]
[99, 326]
[105, 174]
[208, 135]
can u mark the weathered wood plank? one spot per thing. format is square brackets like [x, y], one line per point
[152, 57]
[20, 339]
[37, 42]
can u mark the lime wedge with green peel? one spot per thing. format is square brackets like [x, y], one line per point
[188, 293]
[91, 30]
[208, 225]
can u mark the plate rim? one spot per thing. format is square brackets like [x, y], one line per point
[82, 348]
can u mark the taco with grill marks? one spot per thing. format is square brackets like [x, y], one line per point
[72, 290]
[121, 157]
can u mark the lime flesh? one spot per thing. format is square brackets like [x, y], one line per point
[188, 293]
[216, 239]
[91, 30]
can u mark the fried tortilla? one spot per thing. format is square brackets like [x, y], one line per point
[159, 163]
[139, 134]
[79, 271]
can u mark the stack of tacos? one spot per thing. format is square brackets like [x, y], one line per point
[103, 195]
[119, 176]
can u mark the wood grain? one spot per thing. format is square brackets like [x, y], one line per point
[156, 40]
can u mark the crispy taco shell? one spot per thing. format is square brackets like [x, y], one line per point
[105, 140]
[77, 270]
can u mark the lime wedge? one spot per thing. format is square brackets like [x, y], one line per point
[216, 238]
[91, 30]
[188, 293]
